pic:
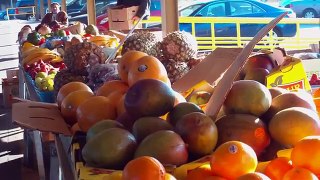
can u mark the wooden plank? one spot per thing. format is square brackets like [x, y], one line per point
[91, 9]
[169, 16]
[222, 89]
[63, 5]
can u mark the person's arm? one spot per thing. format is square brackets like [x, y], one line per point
[143, 8]
[46, 19]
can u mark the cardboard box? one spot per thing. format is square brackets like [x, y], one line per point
[10, 87]
[122, 14]
[122, 25]
[290, 75]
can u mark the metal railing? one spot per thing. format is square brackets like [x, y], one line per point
[212, 42]
[17, 11]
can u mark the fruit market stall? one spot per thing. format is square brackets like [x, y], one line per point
[159, 111]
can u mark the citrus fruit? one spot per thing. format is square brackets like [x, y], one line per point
[70, 87]
[144, 168]
[125, 62]
[201, 172]
[298, 173]
[253, 176]
[278, 167]
[70, 104]
[306, 154]
[233, 159]
[112, 86]
[93, 110]
[147, 67]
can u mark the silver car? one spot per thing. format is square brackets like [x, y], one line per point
[303, 8]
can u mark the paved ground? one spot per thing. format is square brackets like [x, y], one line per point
[11, 137]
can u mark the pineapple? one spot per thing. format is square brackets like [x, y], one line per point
[78, 58]
[175, 69]
[63, 77]
[146, 42]
[179, 45]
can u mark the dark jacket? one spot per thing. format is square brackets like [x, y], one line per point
[61, 18]
[144, 6]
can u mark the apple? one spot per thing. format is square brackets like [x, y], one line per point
[41, 74]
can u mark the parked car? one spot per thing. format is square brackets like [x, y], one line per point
[84, 17]
[3, 15]
[102, 20]
[83, 10]
[303, 8]
[235, 8]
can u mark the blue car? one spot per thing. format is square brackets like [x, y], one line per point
[235, 8]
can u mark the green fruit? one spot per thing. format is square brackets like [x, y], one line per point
[38, 81]
[34, 38]
[41, 75]
[92, 29]
[199, 132]
[148, 125]
[149, 97]
[180, 110]
[166, 146]
[101, 126]
[61, 33]
[112, 149]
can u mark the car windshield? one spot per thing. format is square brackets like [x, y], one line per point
[187, 11]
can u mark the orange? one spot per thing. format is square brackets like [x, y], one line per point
[144, 168]
[298, 173]
[125, 63]
[147, 67]
[316, 93]
[306, 154]
[70, 87]
[317, 103]
[233, 159]
[70, 104]
[115, 97]
[278, 167]
[254, 176]
[201, 172]
[120, 105]
[93, 110]
[111, 86]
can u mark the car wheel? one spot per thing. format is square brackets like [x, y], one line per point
[29, 18]
[5, 17]
[309, 13]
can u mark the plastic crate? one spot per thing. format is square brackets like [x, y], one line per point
[44, 96]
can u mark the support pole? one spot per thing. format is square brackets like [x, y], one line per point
[91, 9]
[49, 3]
[41, 9]
[63, 5]
[169, 16]
[36, 9]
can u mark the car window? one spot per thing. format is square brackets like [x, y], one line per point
[242, 8]
[213, 10]
[189, 10]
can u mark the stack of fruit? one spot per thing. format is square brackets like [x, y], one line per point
[145, 120]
